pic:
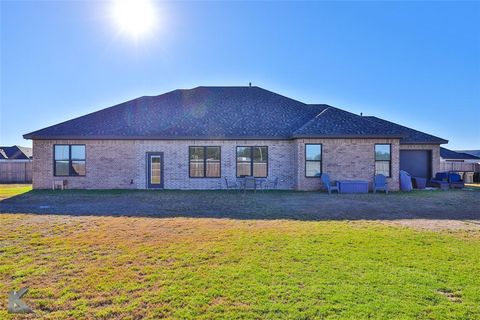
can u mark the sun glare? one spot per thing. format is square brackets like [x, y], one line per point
[135, 17]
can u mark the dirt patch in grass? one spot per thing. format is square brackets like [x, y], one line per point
[451, 295]
[438, 225]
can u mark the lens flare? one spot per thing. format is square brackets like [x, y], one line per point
[135, 17]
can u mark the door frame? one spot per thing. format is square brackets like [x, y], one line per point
[148, 167]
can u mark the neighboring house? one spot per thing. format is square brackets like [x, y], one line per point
[475, 153]
[456, 156]
[191, 139]
[15, 164]
[15, 153]
[461, 162]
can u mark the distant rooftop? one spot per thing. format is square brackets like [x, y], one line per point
[454, 155]
[15, 153]
[475, 153]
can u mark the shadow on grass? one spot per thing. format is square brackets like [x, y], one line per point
[456, 205]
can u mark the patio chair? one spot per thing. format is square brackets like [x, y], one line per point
[249, 183]
[440, 181]
[327, 185]
[380, 183]
[271, 183]
[455, 181]
[231, 185]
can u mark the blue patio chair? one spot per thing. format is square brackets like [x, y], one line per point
[380, 183]
[455, 180]
[327, 185]
[440, 181]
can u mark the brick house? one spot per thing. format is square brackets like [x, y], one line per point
[192, 139]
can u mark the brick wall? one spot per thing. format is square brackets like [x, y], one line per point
[114, 164]
[110, 164]
[280, 164]
[347, 159]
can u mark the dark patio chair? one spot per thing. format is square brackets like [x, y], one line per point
[328, 185]
[249, 183]
[440, 181]
[455, 181]
[380, 183]
[232, 185]
[271, 183]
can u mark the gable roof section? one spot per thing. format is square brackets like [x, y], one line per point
[218, 113]
[336, 123]
[449, 154]
[411, 136]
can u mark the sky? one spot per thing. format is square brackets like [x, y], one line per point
[414, 63]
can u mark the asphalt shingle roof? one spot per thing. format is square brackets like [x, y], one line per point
[216, 113]
[411, 136]
[334, 122]
[449, 154]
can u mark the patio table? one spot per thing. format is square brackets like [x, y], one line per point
[353, 186]
[259, 182]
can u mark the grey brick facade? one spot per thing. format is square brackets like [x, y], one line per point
[121, 164]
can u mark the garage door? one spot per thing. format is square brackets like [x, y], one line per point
[416, 162]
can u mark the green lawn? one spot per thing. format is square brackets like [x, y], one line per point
[10, 190]
[198, 268]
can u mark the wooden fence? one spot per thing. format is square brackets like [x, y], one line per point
[16, 171]
[459, 166]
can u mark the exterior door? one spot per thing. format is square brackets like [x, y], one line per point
[155, 170]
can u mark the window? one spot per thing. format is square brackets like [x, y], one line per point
[204, 162]
[155, 169]
[383, 159]
[69, 160]
[252, 161]
[313, 160]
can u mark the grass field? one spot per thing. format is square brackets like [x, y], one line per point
[203, 268]
[10, 190]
